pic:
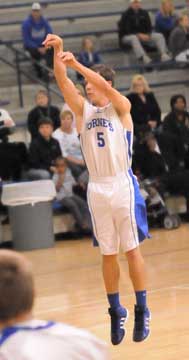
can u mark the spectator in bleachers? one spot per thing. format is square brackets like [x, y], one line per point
[135, 30]
[24, 337]
[158, 159]
[65, 107]
[6, 123]
[179, 39]
[34, 31]
[186, 9]
[145, 109]
[176, 123]
[43, 152]
[13, 156]
[88, 56]
[42, 110]
[166, 18]
[65, 182]
[70, 145]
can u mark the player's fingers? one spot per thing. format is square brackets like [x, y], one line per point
[64, 56]
[48, 37]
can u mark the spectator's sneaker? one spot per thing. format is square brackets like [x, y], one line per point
[141, 327]
[165, 57]
[146, 60]
[118, 318]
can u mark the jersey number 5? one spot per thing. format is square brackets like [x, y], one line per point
[100, 138]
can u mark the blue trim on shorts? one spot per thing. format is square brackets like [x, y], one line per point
[130, 206]
[95, 241]
[9, 331]
[140, 210]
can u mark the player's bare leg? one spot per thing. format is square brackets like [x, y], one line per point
[137, 269]
[118, 314]
[111, 273]
[137, 272]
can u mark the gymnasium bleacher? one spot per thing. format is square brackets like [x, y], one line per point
[73, 20]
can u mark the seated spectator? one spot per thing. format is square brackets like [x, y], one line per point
[186, 8]
[42, 110]
[6, 124]
[70, 145]
[166, 18]
[88, 56]
[13, 155]
[24, 337]
[135, 29]
[158, 158]
[179, 40]
[43, 152]
[65, 107]
[64, 183]
[34, 31]
[145, 110]
[176, 123]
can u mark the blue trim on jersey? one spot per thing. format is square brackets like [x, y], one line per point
[9, 331]
[140, 210]
[129, 139]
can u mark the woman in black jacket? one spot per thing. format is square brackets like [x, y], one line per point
[145, 110]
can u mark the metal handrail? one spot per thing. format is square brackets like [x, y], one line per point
[16, 65]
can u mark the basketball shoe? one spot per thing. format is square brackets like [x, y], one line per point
[118, 317]
[141, 326]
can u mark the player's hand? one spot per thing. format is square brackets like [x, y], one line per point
[67, 58]
[53, 41]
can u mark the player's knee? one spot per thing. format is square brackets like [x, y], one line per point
[134, 254]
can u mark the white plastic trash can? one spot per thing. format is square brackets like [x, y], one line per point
[30, 211]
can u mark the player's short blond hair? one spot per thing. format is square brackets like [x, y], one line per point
[137, 78]
[16, 285]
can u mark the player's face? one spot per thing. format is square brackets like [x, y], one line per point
[93, 94]
[46, 130]
[42, 100]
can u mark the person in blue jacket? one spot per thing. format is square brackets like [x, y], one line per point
[166, 18]
[88, 56]
[34, 30]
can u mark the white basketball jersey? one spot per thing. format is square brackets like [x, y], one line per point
[36, 340]
[106, 145]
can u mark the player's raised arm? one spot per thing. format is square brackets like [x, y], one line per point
[67, 87]
[120, 102]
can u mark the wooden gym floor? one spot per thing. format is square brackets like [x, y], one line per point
[70, 289]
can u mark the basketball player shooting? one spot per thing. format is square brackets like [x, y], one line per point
[117, 209]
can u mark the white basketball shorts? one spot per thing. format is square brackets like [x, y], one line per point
[112, 206]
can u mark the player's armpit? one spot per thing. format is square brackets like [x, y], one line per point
[127, 121]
